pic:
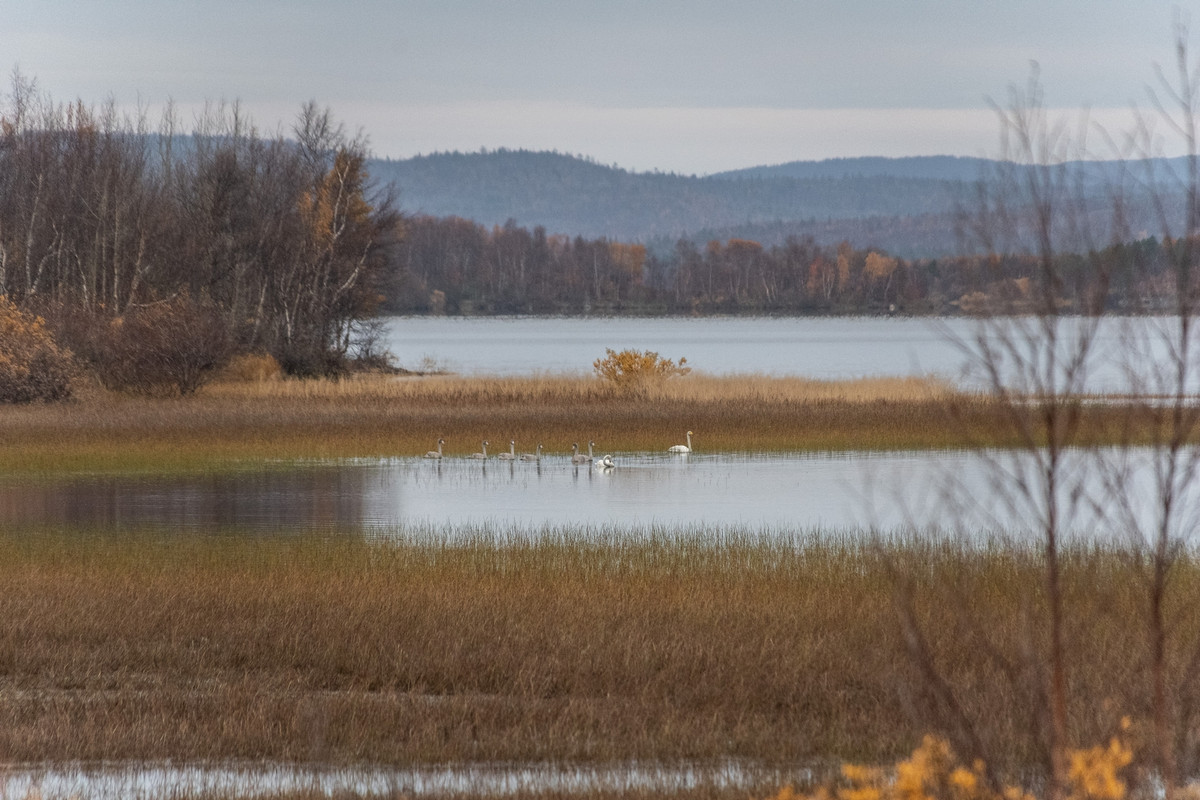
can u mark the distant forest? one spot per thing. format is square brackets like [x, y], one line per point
[456, 266]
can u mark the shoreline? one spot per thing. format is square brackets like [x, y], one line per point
[228, 425]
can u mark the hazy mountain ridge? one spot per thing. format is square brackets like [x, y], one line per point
[903, 205]
[949, 168]
[575, 196]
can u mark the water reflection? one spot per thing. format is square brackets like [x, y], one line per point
[780, 492]
[326, 496]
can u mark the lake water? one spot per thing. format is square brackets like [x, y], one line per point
[1123, 354]
[122, 782]
[769, 495]
[761, 492]
[814, 347]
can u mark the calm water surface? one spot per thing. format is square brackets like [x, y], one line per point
[760, 492]
[768, 494]
[814, 347]
[471, 780]
[1123, 356]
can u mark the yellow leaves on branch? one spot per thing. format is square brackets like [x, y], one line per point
[633, 369]
[933, 772]
[337, 201]
[32, 365]
[879, 266]
[628, 259]
[1095, 773]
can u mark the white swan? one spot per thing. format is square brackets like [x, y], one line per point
[436, 453]
[533, 456]
[511, 455]
[577, 457]
[597, 462]
[483, 454]
[605, 463]
[682, 448]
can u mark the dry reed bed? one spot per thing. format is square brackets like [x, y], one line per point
[562, 646]
[377, 416]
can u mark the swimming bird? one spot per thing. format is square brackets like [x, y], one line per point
[483, 454]
[511, 455]
[577, 457]
[605, 463]
[436, 453]
[533, 456]
[682, 448]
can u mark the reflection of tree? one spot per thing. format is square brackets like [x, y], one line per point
[293, 499]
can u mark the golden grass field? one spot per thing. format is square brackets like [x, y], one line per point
[369, 416]
[560, 646]
[563, 646]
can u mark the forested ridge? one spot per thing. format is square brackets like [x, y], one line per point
[909, 207]
[578, 197]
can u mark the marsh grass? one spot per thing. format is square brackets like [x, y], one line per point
[372, 416]
[565, 646]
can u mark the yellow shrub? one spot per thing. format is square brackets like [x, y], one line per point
[1095, 773]
[933, 772]
[32, 365]
[637, 369]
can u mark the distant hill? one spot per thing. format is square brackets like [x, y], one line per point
[575, 196]
[945, 168]
[903, 205]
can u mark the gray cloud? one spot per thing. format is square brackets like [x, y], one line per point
[390, 63]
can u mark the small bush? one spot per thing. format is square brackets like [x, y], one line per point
[172, 346]
[934, 772]
[634, 369]
[32, 366]
[310, 361]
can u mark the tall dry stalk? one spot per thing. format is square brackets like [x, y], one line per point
[1158, 360]
[1032, 351]
[1038, 356]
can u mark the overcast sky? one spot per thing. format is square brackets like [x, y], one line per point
[691, 87]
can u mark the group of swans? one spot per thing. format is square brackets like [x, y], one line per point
[511, 455]
[604, 463]
[577, 458]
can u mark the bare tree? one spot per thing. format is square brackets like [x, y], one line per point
[1030, 352]
[1151, 479]
[1039, 350]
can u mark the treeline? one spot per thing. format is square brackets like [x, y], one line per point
[279, 243]
[455, 266]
